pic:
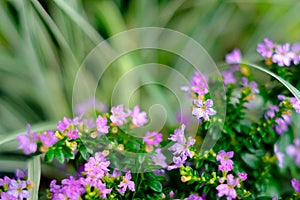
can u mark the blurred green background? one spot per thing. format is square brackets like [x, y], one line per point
[43, 43]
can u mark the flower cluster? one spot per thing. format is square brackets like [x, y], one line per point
[93, 183]
[15, 188]
[282, 55]
[29, 142]
[226, 165]
[244, 160]
[181, 148]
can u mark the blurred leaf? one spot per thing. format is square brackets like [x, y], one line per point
[155, 185]
[34, 175]
[250, 160]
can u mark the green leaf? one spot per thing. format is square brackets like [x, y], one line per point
[155, 185]
[49, 155]
[34, 175]
[59, 155]
[250, 160]
[67, 152]
[83, 152]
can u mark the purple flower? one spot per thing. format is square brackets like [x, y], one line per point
[252, 85]
[275, 197]
[159, 158]
[203, 109]
[101, 125]
[283, 56]
[17, 189]
[181, 147]
[228, 77]
[118, 115]
[138, 118]
[126, 183]
[21, 173]
[152, 138]
[5, 181]
[296, 53]
[64, 124]
[296, 104]
[116, 173]
[89, 105]
[266, 49]
[193, 197]
[228, 190]
[48, 139]
[178, 161]
[73, 134]
[72, 188]
[96, 167]
[224, 158]
[27, 142]
[282, 124]
[6, 196]
[242, 176]
[197, 84]
[296, 185]
[294, 150]
[279, 156]
[271, 112]
[234, 57]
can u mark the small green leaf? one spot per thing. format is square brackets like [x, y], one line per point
[59, 155]
[68, 153]
[155, 185]
[49, 155]
[83, 152]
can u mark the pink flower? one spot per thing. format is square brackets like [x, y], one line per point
[197, 84]
[73, 134]
[296, 104]
[266, 49]
[193, 197]
[228, 77]
[152, 138]
[138, 118]
[294, 150]
[27, 142]
[126, 183]
[296, 53]
[203, 109]
[224, 158]
[48, 139]
[279, 156]
[283, 56]
[252, 85]
[242, 176]
[101, 125]
[66, 122]
[118, 115]
[18, 189]
[228, 190]
[296, 185]
[181, 147]
[234, 57]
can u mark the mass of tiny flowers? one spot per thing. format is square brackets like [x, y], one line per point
[15, 188]
[257, 155]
